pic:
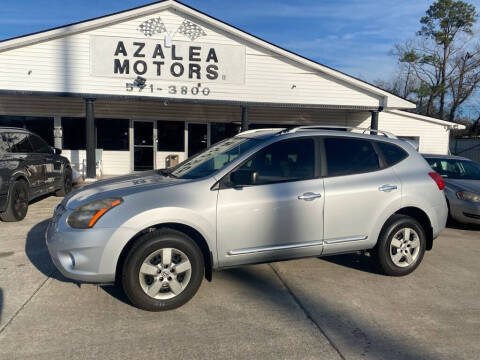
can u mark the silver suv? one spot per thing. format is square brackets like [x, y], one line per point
[261, 196]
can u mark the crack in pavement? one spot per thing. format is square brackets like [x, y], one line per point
[49, 277]
[306, 312]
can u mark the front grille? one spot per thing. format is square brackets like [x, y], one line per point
[473, 216]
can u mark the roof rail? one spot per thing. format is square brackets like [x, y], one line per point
[335, 127]
[258, 130]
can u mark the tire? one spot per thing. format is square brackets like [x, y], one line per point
[145, 270]
[17, 204]
[66, 183]
[401, 246]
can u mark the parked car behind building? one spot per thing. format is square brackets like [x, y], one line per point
[29, 168]
[462, 186]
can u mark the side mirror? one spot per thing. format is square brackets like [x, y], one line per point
[56, 151]
[243, 177]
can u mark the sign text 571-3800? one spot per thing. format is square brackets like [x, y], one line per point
[170, 89]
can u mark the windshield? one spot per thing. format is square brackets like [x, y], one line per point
[455, 169]
[214, 158]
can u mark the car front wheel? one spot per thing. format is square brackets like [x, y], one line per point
[163, 270]
[66, 186]
[401, 246]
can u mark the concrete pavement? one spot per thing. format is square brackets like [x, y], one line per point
[330, 308]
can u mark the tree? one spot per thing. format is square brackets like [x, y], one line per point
[422, 60]
[443, 22]
[465, 78]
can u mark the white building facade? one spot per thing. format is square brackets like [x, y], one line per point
[165, 79]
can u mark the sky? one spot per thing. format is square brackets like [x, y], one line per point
[353, 36]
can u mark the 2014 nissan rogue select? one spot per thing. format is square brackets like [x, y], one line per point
[261, 196]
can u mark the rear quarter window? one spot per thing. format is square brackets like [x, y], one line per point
[392, 154]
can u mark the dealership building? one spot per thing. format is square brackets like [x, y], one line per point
[146, 87]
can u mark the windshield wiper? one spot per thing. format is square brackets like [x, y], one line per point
[167, 173]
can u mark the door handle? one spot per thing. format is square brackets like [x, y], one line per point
[387, 187]
[309, 196]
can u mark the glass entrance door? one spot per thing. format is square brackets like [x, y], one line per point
[143, 145]
[197, 138]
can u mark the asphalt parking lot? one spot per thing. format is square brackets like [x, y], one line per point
[331, 308]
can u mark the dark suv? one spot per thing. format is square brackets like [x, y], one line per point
[29, 168]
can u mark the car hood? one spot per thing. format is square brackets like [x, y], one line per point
[463, 184]
[118, 187]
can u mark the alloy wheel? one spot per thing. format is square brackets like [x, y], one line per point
[405, 247]
[165, 273]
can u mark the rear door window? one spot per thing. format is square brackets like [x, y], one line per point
[19, 143]
[346, 156]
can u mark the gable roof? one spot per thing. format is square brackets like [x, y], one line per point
[448, 124]
[389, 100]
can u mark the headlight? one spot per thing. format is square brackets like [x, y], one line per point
[469, 196]
[87, 215]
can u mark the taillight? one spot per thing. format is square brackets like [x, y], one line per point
[438, 180]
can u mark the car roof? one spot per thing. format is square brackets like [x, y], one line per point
[445, 157]
[12, 128]
[263, 134]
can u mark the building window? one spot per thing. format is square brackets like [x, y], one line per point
[42, 126]
[171, 136]
[220, 131]
[74, 133]
[112, 134]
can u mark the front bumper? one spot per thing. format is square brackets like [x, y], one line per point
[465, 211]
[79, 254]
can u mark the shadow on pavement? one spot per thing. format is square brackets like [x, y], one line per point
[116, 291]
[37, 252]
[452, 224]
[354, 261]
[354, 333]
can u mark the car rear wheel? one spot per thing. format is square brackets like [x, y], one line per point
[66, 183]
[163, 270]
[401, 246]
[17, 205]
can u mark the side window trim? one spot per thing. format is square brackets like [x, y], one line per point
[381, 158]
[322, 156]
[224, 182]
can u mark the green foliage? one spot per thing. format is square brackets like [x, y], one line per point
[446, 18]
[409, 56]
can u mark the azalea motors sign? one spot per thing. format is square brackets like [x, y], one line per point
[181, 60]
